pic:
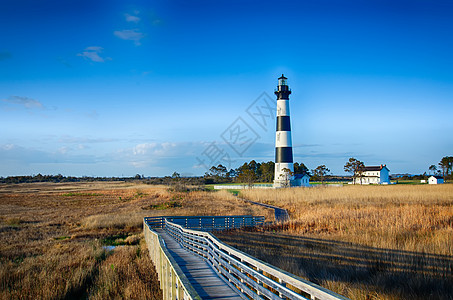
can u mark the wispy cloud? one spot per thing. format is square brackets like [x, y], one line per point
[24, 101]
[84, 140]
[161, 154]
[28, 155]
[154, 148]
[132, 18]
[93, 53]
[130, 35]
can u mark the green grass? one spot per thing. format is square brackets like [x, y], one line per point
[234, 192]
[165, 205]
[209, 187]
[81, 194]
[14, 222]
[120, 240]
[407, 182]
[328, 182]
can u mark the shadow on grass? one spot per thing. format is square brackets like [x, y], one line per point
[388, 272]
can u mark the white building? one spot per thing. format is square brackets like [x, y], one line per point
[300, 180]
[435, 180]
[374, 175]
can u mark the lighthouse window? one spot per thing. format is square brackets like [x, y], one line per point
[282, 82]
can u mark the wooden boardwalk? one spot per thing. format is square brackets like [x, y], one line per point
[281, 215]
[203, 278]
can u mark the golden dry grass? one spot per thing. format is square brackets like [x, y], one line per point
[365, 242]
[414, 218]
[53, 235]
[125, 275]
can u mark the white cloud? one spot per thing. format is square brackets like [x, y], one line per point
[130, 35]
[164, 155]
[24, 101]
[154, 148]
[8, 147]
[93, 53]
[132, 18]
[64, 150]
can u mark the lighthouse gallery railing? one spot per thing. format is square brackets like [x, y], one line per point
[252, 277]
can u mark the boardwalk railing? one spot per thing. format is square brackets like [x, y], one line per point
[252, 277]
[207, 223]
[173, 283]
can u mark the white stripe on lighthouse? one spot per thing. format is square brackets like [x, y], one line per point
[282, 107]
[279, 168]
[283, 139]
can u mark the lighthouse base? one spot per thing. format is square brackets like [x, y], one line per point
[293, 182]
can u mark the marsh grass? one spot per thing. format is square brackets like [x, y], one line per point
[124, 275]
[365, 242]
[54, 237]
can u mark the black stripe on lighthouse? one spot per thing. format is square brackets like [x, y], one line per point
[283, 123]
[283, 155]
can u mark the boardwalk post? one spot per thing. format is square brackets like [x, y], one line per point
[283, 284]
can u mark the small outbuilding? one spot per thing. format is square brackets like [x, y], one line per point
[300, 180]
[435, 180]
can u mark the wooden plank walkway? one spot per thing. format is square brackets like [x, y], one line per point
[203, 278]
[281, 215]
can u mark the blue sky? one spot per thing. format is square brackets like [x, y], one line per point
[118, 88]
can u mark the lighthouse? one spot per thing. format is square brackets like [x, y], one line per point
[284, 167]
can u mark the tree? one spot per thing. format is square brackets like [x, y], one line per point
[355, 167]
[433, 169]
[446, 164]
[286, 177]
[217, 174]
[266, 171]
[231, 174]
[300, 169]
[321, 171]
[247, 176]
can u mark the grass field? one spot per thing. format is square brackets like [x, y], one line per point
[364, 242]
[54, 237]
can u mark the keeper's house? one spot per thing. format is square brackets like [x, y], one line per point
[374, 175]
[435, 180]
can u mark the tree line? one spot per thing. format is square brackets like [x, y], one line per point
[253, 171]
[249, 172]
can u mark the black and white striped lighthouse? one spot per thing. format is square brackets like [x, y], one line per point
[283, 144]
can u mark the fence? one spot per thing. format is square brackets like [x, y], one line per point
[243, 187]
[252, 277]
